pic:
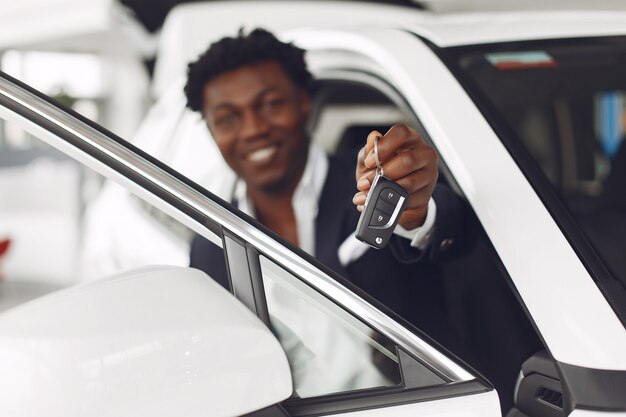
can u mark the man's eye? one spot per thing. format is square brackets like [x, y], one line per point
[226, 120]
[273, 104]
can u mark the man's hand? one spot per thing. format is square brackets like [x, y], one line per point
[407, 160]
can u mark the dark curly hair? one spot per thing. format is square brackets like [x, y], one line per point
[230, 53]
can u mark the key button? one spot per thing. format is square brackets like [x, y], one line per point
[390, 195]
[384, 206]
[379, 218]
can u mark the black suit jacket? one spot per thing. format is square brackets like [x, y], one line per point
[403, 278]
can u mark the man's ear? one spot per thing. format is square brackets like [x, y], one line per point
[205, 119]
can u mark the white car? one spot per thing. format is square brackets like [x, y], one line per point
[525, 113]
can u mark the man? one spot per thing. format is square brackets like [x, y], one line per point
[254, 94]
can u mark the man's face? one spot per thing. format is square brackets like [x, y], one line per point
[257, 117]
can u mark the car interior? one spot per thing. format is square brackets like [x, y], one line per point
[569, 119]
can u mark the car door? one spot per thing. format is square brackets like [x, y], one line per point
[348, 354]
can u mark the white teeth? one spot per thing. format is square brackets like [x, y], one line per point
[262, 154]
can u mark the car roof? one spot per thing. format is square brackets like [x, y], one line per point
[191, 27]
[495, 27]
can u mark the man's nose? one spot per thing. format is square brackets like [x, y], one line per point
[254, 124]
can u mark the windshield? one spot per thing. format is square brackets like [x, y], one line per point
[563, 102]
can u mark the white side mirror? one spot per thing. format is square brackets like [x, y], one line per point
[161, 341]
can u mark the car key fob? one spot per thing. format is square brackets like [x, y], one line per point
[385, 203]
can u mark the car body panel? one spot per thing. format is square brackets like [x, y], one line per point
[480, 28]
[156, 341]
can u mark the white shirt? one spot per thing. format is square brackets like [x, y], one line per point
[305, 204]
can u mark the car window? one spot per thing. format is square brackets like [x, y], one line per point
[563, 102]
[329, 350]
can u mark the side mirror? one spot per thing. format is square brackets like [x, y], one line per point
[158, 341]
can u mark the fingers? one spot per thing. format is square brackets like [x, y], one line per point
[364, 152]
[402, 167]
[406, 159]
[400, 151]
[397, 138]
[359, 200]
[419, 185]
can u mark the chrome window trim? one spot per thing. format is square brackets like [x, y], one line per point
[25, 104]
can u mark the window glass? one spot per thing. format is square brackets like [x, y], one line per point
[564, 102]
[61, 223]
[329, 350]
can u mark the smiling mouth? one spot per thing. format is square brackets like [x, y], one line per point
[262, 154]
